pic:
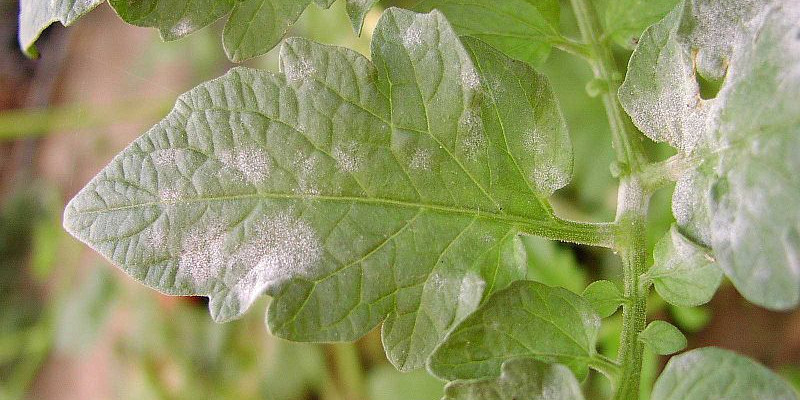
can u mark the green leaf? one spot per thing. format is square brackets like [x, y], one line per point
[740, 196]
[712, 373]
[36, 15]
[551, 263]
[683, 274]
[559, 326]
[386, 383]
[604, 296]
[174, 19]
[523, 29]
[625, 20]
[351, 192]
[663, 338]
[357, 10]
[520, 379]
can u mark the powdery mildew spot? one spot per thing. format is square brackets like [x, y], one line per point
[421, 160]
[167, 157]
[299, 71]
[169, 196]
[412, 37]
[347, 157]
[182, 28]
[202, 254]
[254, 164]
[473, 141]
[470, 78]
[548, 178]
[305, 168]
[280, 247]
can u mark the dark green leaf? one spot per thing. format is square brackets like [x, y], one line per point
[357, 10]
[683, 273]
[523, 29]
[712, 373]
[352, 192]
[528, 319]
[520, 379]
[604, 296]
[663, 338]
[743, 144]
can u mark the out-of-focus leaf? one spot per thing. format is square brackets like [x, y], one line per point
[709, 373]
[559, 326]
[352, 192]
[552, 264]
[520, 379]
[36, 15]
[523, 29]
[739, 197]
[387, 383]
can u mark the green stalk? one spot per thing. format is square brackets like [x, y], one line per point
[631, 205]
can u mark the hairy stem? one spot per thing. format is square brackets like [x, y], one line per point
[586, 233]
[632, 202]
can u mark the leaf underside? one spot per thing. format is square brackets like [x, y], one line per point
[526, 320]
[663, 338]
[740, 198]
[523, 29]
[520, 379]
[253, 27]
[712, 373]
[351, 191]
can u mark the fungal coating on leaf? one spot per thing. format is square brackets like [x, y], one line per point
[252, 163]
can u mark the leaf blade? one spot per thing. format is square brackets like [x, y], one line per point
[35, 16]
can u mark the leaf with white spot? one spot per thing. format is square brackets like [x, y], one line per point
[684, 273]
[663, 338]
[527, 319]
[520, 379]
[35, 16]
[712, 373]
[739, 197]
[523, 29]
[353, 192]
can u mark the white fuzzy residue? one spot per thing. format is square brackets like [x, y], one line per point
[183, 28]
[169, 196]
[167, 157]
[306, 174]
[473, 140]
[470, 78]
[421, 160]
[548, 178]
[299, 71]
[202, 254]
[252, 163]
[347, 157]
[412, 36]
[280, 247]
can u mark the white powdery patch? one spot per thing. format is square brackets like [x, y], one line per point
[473, 139]
[254, 164]
[167, 157]
[202, 254]
[281, 247]
[299, 71]
[182, 28]
[155, 238]
[686, 361]
[470, 293]
[421, 160]
[305, 168]
[548, 178]
[347, 157]
[169, 196]
[470, 78]
[412, 36]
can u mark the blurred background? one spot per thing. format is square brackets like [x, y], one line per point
[74, 327]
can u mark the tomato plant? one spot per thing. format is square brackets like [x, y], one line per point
[396, 189]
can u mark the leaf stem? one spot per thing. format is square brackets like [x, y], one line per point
[587, 233]
[605, 366]
[627, 145]
[659, 174]
[633, 198]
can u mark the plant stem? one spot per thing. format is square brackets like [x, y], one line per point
[586, 233]
[632, 202]
[627, 145]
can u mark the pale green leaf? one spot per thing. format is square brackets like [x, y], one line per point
[520, 379]
[351, 192]
[357, 10]
[684, 273]
[625, 20]
[528, 319]
[36, 15]
[523, 29]
[604, 296]
[663, 338]
[739, 198]
[712, 373]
